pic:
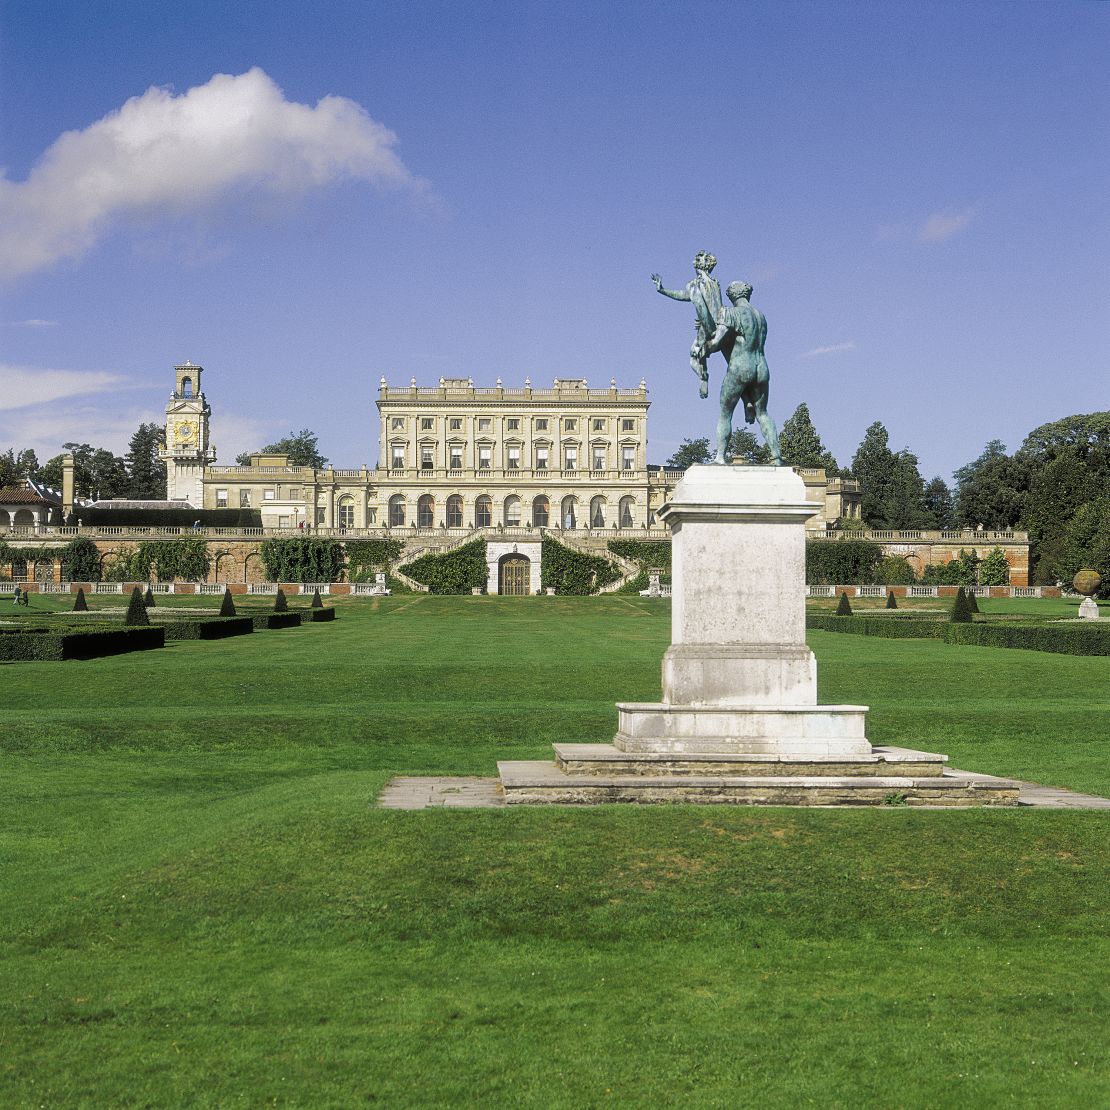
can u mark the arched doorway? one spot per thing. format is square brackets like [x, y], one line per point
[514, 575]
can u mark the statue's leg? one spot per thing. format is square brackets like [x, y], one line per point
[699, 366]
[767, 427]
[730, 394]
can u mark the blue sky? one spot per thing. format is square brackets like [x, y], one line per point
[918, 193]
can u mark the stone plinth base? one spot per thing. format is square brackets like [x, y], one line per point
[739, 674]
[785, 730]
[1088, 610]
[597, 774]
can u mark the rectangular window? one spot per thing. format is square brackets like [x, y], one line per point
[484, 424]
[244, 499]
[513, 424]
[599, 458]
[319, 514]
[456, 423]
[484, 456]
[425, 458]
[628, 458]
[541, 458]
[570, 425]
[221, 499]
[456, 458]
[426, 423]
[398, 458]
[371, 516]
[599, 425]
[294, 493]
[541, 424]
[267, 495]
[283, 522]
[514, 458]
[572, 458]
[397, 423]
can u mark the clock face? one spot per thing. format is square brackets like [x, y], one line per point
[186, 432]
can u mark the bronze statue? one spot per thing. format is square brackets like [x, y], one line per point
[704, 292]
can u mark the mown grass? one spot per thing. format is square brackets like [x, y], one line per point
[202, 906]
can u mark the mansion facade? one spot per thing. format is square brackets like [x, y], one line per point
[458, 456]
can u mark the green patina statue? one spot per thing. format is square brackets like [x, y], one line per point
[739, 333]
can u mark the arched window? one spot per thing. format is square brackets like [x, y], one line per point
[396, 511]
[567, 512]
[346, 512]
[454, 511]
[512, 511]
[483, 512]
[186, 387]
[426, 511]
[626, 512]
[597, 512]
[541, 510]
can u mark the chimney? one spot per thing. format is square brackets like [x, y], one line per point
[67, 485]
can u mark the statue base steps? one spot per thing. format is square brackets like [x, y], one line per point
[598, 774]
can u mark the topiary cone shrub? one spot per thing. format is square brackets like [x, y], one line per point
[890, 602]
[136, 610]
[148, 598]
[961, 613]
[227, 606]
[80, 605]
[317, 602]
[843, 608]
[972, 601]
[280, 604]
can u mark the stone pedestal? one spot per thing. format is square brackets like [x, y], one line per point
[1088, 610]
[739, 721]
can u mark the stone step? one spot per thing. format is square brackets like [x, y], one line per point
[537, 783]
[607, 759]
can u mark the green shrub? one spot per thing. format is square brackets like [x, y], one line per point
[886, 627]
[960, 614]
[81, 560]
[842, 562]
[311, 559]
[46, 644]
[843, 606]
[227, 606]
[276, 620]
[80, 605]
[185, 558]
[212, 628]
[281, 605]
[136, 611]
[891, 601]
[148, 598]
[571, 572]
[1064, 638]
[317, 602]
[456, 572]
[994, 570]
[895, 570]
[648, 553]
[972, 601]
[366, 557]
[321, 614]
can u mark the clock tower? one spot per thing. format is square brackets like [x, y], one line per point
[188, 450]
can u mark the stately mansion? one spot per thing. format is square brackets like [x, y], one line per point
[454, 456]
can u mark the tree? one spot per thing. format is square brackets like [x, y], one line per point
[80, 605]
[96, 471]
[136, 610]
[227, 606]
[281, 605]
[145, 470]
[961, 614]
[992, 489]
[873, 467]
[800, 444]
[689, 452]
[1058, 490]
[743, 444]
[843, 606]
[903, 504]
[15, 466]
[1087, 542]
[301, 447]
[1083, 435]
[994, 570]
[938, 503]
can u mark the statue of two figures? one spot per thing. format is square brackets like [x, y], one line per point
[739, 332]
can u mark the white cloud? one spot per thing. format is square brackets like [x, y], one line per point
[943, 225]
[24, 386]
[173, 155]
[831, 349]
[31, 324]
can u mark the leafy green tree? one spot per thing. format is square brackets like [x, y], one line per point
[992, 489]
[145, 470]
[873, 466]
[904, 501]
[301, 447]
[1058, 490]
[800, 444]
[743, 444]
[16, 465]
[1087, 542]
[81, 560]
[690, 451]
[97, 473]
[994, 570]
[1084, 435]
[938, 503]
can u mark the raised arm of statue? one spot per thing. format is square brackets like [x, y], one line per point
[674, 294]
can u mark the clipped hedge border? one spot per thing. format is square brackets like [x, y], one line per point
[890, 628]
[263, 621]
[1063, 639]
[215, 628]
[44, 644]
[317, 615]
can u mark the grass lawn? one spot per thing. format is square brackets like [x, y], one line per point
[202, 908]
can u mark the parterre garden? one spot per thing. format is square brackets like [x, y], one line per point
[203, 907]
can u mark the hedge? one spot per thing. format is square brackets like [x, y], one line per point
[889, 627]
[571, 572]
[456, 572]
[215, 628]
[648, 553]
[842, 562]
[276, 620]
[45, 644]
[1063, 639]
[172, 518]
[311, 559]
[366, 557]
[317, 615]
